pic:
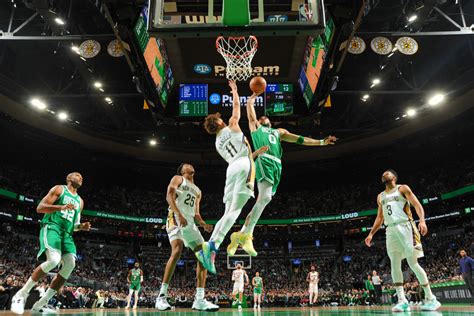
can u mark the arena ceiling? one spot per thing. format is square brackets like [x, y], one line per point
[37, 61]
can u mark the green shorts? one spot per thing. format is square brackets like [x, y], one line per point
[268, 170]
[257, 290]
[135, 287]
[53, 239]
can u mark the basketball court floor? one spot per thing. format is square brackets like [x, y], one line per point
[447, 310]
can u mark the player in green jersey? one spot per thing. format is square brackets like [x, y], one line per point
[257, 283]
[268, 170]
[62, 208]
[135, 278]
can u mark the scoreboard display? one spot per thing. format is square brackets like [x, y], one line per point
[279, 99]
[193, 100]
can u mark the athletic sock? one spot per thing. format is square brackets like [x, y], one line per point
[200, 293]
[45, 299]
[428, 294]
[400, 294]
[163, 290]
[29, 285]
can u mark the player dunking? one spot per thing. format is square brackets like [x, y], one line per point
[135, 278]
[313, 279]
[257, 283]
[403, 238]
[184, 198]
[62, 208]
[234, 148]
[268, 170]
[240, 278]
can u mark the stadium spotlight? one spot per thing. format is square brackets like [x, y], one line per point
[436, 99]
[152, 142]
[411, 112]
[98, 84]
[375, 82]
[365, 97]
[59, 21]
[108, 100]
[412, 18]
[37, 103]
[62, 116]
[75, 49]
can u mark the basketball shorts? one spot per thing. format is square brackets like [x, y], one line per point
[404, 239]
[238, 287]
[240, 178]
[190, 234]
[257, 290]
[313, 287]
[268, 170]
[54, 239]
[135, 286]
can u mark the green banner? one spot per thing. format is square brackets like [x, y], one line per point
[8, 194]
[458, 192]
[123, 217]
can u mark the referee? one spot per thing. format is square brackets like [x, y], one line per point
[466, 266]
[377, 282]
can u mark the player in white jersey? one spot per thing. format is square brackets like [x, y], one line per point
[184, 199]
[313, 279]
[403, 238]
[240, 278]
[233, 147]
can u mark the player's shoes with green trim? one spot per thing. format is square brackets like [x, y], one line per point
[204, 305]
[430, 305]
[234, 243]
[205, 257]
[402, 306]
[18, 302]
[246, 240]
[162, 304]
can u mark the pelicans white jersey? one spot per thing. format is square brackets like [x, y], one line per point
[231, 145]
[313, 281]
[187, 196]
[238, 276]
[402, 234]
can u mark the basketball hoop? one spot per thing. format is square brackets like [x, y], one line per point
[238, 53]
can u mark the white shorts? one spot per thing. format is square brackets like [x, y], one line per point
[238, 287]
[404, 239]
[190, 234]
[313, 288]
[240, 178]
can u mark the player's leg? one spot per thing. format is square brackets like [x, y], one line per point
[135, 303]
[129, 298]
[315, 295]
[310, 295]
[176, 241]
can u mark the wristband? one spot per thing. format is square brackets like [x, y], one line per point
[300, 140]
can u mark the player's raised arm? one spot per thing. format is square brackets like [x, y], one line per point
[198, 218]
[305, 141]
[378, 222]
[411, 197]
[251, 115]
[234, 120]
[171, 198]
[47, 203]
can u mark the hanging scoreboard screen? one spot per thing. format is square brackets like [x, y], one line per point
[193, 100]
[279, 99]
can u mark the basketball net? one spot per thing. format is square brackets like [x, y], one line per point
[238, 53]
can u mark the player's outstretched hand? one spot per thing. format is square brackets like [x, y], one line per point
[67, 207]
[207, 228]
[262, 150]
[86, 226]
[182, 221]
[233, 86]
[368, 241]
[423, 228]
[330, 140]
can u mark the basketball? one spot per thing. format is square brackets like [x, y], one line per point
[258, 85]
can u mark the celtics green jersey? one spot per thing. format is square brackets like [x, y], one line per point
[267, 136]
[258, 282]
[135, 276]
[64, 220]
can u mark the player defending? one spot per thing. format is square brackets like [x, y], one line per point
[184, 199]
[135, 278]
[234, 148]
[257, 283]
[62, 208]
[403, 238]
[239, 276]
[313, 280]
[268, 170]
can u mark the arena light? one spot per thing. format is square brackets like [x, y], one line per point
[375, 82]
[98, 84]
[62, 116]
[75, 49]
[411, 112]
[436, 99]
[37, 103]
[365, 97]
[412, 18]
[391, 54]
[107, 99]
[59, 21]
[152, 142]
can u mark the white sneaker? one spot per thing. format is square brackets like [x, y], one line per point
[162, 303]
[204, 305]
[240, 307]
[258, 306]
[430, 305]
[18, 303]
[43, 310]
[401, 307]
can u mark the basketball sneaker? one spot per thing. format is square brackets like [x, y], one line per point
[205, 256]
[204, 305]
[246, 240]
[234, 243]
[43, 310]
[430, 305]
[18, 302]
[162, 304]
[401, 307]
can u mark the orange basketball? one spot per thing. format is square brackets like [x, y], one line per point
[258, 85]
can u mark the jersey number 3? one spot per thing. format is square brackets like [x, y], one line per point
[389, 209]
[189, 200]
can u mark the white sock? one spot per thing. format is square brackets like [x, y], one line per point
[200, 293]
[400, 294]
[45, 299]
[29, 285]
[163, 290]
